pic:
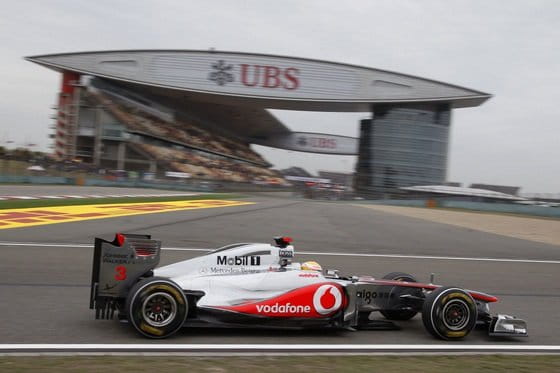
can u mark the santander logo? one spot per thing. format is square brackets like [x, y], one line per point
[327, 298]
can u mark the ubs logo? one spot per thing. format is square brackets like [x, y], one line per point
[259, 76]
[302, 141]
[222, 73]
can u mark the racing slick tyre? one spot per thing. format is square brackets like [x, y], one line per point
[156, 307]
[396, 292]
[449, 313]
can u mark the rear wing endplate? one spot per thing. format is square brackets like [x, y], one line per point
[117, 266]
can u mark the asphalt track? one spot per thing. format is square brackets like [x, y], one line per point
[44, 290]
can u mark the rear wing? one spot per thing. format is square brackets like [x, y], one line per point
[117, 266]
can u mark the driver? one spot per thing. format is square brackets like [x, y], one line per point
[311, 266]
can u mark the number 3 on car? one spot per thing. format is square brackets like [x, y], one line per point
[120, 273]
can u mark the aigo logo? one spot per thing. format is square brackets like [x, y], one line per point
[327, 299]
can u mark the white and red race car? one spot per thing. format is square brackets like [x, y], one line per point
[259, 285]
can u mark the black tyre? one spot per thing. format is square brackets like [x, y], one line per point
[156, 307]
[396, 292]
[449, 313]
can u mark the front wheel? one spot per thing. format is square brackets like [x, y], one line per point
[449, 313]
[156, 307]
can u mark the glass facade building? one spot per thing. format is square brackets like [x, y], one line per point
[402, 147]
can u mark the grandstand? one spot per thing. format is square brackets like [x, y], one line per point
[140, 135]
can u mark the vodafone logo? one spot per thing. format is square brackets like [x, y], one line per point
[318, 300]
[287, 308]
[327, 299]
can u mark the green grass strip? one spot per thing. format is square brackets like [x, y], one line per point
[283, 364]
[29, 203]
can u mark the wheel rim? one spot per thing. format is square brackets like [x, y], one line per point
[159, 309]
[456, 314]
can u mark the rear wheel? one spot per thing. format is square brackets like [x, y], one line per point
[449, 313]
[156, 307]
[396, 292]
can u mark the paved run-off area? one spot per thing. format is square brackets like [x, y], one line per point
[546, 230]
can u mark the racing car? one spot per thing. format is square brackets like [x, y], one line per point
[260, 285]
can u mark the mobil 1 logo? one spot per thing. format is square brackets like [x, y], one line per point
[224, 260]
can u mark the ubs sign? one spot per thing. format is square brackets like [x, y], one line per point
[262, 76]
[313, 143]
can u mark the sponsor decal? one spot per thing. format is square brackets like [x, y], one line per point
[117, 258]
[311, 301]
[287, 308]
[16, 218]
[302, 141]
[308, 275]
[238, 260]
[286, 253]
[221, 74]
[316, 142]
[228, 271]
[327, 299]
[369, 296]
[261, 76]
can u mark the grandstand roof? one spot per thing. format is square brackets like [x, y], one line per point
[261, 80]
[237, 88]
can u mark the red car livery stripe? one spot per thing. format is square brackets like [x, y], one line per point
[313, 301]
[482, 296]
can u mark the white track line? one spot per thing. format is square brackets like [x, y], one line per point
[432, 257]
[37, 244]
[279, 347]
[357, 255]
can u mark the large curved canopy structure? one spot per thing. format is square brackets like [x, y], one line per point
[405, 143]
[259, 80]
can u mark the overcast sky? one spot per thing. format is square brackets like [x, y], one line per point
[508, 48]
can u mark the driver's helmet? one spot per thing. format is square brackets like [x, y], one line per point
[311, 266]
